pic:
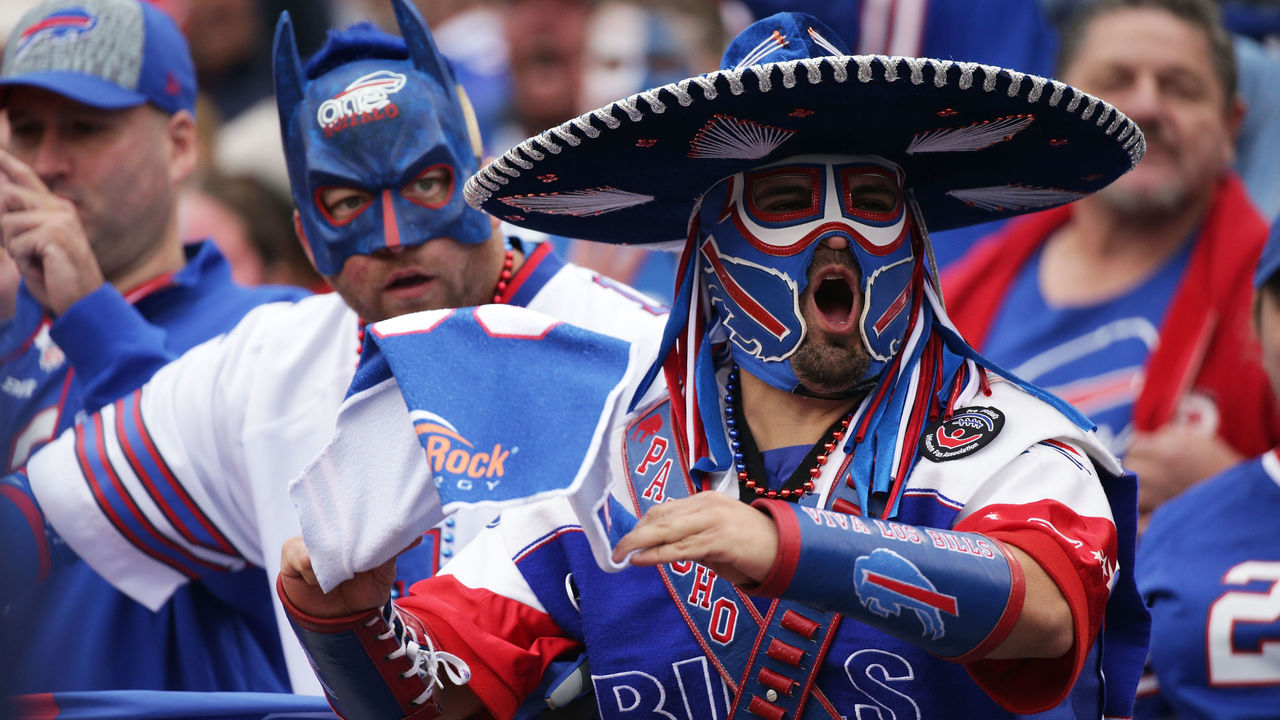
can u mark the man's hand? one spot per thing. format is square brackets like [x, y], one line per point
[1172, 459]
[42, 233]
[732, 538]
[367, 590]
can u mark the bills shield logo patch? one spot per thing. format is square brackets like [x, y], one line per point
[962, 435]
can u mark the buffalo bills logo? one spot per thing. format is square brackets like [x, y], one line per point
[961, 435]
[745, 296]
[889, 584]
[65, 25]
[365, 99]
[51, 356]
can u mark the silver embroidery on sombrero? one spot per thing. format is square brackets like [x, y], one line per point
[975, 136]
[484, 184]
[579, 203]
[1013, 197]
[729, 137]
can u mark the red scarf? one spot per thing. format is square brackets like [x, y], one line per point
[1206, 342]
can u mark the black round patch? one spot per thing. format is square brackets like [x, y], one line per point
[964, 434]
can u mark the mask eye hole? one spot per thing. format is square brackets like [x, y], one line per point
[784, 194]
[341, 205]
[870, 193]
[432, 188]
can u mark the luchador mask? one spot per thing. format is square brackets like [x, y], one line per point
[759, 232]
[378, 126]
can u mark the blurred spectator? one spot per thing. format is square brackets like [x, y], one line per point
[252, 226]
[100, 104]
[1133, 303]
[634, 45]
[545, 41]
[1256, 28]
[1208, 567]
[232, 49]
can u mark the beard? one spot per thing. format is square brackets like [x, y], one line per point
[1148, 202]
[828, 364]
[1135, 200]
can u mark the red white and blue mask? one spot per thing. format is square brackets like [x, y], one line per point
[759, 232]
[376, 125]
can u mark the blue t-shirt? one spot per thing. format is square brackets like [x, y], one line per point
[1092, 356]
[780, 463]
[75, 631]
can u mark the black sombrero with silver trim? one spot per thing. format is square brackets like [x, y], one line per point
[976, 142]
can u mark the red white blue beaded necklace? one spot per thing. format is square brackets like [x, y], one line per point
[745, 452]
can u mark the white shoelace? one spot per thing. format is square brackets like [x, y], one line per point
[427, 660]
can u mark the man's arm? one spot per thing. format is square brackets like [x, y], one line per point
[374, 661]
[777, 548]
[148, 490]
[1017, 580]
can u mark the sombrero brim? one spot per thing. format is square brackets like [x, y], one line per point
[976, 142]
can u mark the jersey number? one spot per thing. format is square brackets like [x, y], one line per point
[37, 432]
[1229, 665]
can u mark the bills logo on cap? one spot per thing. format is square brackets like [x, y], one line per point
[366, 99]
[65, 25]
[962, 434]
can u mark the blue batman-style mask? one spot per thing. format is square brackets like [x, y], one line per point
[760, 230]
[375, 113]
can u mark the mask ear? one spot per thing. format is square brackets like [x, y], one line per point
[287, 69]
[422, 48]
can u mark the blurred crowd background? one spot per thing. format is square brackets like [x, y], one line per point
[531, 64]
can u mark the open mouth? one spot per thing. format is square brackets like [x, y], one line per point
[834, 300]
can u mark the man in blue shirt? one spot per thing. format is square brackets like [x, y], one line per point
[100, 100]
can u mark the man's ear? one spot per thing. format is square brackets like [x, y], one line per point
[184, 145]
[302, 238]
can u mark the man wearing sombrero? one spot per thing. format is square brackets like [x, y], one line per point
[919, 534]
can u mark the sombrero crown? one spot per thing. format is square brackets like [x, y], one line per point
[976, 142]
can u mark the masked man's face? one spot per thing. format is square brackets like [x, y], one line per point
[807, 264]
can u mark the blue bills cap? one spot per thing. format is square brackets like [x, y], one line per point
[109, 54]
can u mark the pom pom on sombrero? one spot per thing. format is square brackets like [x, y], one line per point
[976, 142]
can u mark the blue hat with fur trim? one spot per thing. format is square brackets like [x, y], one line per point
[1269, 263]
[975, 142]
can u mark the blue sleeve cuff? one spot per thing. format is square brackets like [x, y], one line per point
[110, 345]
[956, 595]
